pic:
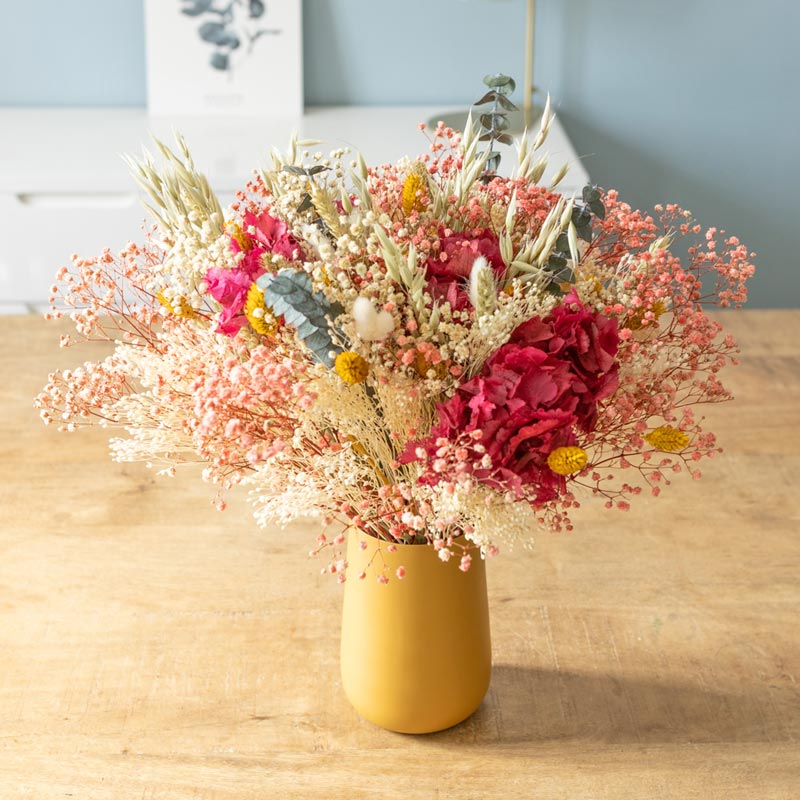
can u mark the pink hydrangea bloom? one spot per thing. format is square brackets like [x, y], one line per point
[530, 398]
[448, 272]
[272, 235]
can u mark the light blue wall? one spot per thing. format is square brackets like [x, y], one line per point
[56, 53]
[694, 101]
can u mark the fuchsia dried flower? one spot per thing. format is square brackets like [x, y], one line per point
[229, 287]
[448, 272]
[531, 397]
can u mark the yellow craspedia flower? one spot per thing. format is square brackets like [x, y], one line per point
[259, 315]
[667, 438]
[567, 460]
[351, 367]
[415, 189]
[183, 309]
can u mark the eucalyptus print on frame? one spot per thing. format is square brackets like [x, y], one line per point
[220, 57]
[231, 29]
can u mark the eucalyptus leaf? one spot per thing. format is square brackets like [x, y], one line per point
[213, 32]
[584, 232]
[556, 261]
[498, 80]
[494, 122]
[294, 169]
[305, 204]
[195, 8]
[554, 288]
[590, 193]
[290, 294]
[219, 61]
[316, 169]
[597, 208]
[505, 103]
[581, 216]
[504, 138]
[489, 97]
[508, 88]
[257, 9]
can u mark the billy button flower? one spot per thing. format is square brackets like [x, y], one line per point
[182, 309]
[351, 367]
[667, 438]
[567, 460]
[258, 314]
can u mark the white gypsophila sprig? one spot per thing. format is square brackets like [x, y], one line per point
[491, 331]
[182, 273]
[492, 516]
[287, 489]
[284, 490]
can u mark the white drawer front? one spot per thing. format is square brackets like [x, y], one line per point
[40, 231]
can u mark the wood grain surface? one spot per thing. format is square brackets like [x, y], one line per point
[151, 647]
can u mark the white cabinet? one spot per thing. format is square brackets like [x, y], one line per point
[64, 187]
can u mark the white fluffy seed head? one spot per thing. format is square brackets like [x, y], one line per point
[371, 325]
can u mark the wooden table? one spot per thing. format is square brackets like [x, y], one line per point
[153, 648]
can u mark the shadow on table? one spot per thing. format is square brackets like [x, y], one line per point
[532, 705]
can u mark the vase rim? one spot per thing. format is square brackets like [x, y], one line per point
[365, 534]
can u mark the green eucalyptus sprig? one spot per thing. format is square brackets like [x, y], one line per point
[495, 124]
[580, 227]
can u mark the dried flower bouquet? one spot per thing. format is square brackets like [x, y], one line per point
[422, 350]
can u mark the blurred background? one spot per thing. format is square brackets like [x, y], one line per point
[692, 101]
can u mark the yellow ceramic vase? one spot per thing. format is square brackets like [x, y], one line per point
[416, 653]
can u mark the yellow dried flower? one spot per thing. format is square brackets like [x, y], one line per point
[258, 314]
[360, 450]
[351, 367]
[667, 438]
[423, 366]
[567, 460]
[634, 322]
[242, 239]
[497, 213]
[415, 189]
[182, 310]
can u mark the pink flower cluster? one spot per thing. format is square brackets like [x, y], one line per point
[529, 399]
[448, 271]
[229, 287]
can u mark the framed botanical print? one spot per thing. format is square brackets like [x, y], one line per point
[224, 57]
